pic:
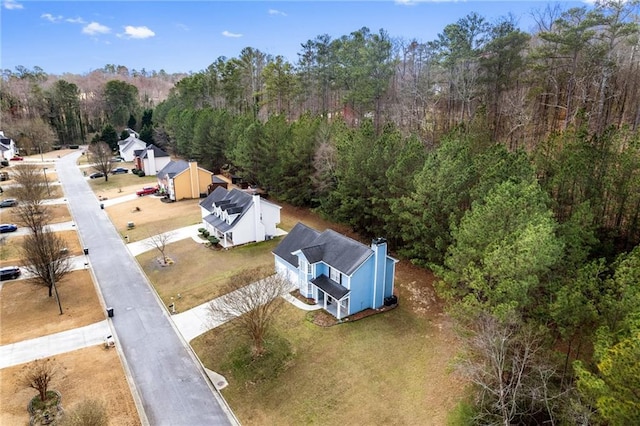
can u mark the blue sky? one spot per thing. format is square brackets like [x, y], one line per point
[184, 36]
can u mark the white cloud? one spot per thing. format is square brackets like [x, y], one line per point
[181, 26]
[95, 28]
[12, 5]
[49, 17]
[138, 32]
[75, 20]
[276, 12]
[230, 34]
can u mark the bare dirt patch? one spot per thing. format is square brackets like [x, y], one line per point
[89, 373]
[27, 311]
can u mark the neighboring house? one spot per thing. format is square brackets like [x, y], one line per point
[8, 148]
[127, 146]
[151, 159]
[342, 275]
[181, 179]
[236, 217]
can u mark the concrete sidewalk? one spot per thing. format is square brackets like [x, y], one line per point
[145, 245]
[53, 344]
[190, 324]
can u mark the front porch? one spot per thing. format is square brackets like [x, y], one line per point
[331, 296]
[219, 229]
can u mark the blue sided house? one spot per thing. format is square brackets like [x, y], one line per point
[342, 275]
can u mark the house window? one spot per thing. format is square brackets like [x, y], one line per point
[335, 275]
[305, 266]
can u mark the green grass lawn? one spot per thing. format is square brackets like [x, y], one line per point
[385, 369]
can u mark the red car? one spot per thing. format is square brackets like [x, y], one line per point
[147, 190]
[17, 158]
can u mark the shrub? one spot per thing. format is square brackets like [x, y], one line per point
[134, 171]
[201, 230]
[213, 240]
[87, 413]
[141, 173]
[205, 233]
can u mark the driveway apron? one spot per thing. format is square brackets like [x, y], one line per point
[170, 382]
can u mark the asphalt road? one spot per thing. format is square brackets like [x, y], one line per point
[170, 383]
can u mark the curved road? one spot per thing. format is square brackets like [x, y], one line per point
[170, 382]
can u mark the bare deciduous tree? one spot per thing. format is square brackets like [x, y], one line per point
[513, 378]
[46, 257]
[39, 374]
[253, 304]
[31, 185]
[101, 156]
[159, 241]
[30, 190]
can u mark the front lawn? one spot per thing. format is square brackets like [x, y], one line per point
[389, 368]
[198, 273]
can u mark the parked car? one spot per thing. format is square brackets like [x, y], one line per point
[117, 159]
[16, 158]
[119, 170]
[96, 175]
[8, 227]
[9, 273]
[147, 190]
[9, 202]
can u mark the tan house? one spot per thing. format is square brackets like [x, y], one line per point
[181, 179]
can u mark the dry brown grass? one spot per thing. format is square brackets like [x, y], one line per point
[10, 251]
[199, 273]
[89, 373]
[59, 213]
[27, 311]
[153, 217]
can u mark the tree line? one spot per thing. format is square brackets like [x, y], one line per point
[506, 162]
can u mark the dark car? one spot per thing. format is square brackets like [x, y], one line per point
[9, 202]
[9, 273]
[8, 227]
[119, 170]
[96, 175]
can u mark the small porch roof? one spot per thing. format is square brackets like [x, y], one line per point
[218, 223]
[330, 287]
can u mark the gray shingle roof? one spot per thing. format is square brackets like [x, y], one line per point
[329, 286]
[157, 152]
[300, 236]
[173, 168]
[233, 202]
[330, 247]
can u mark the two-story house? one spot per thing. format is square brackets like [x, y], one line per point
[236, 217]
[150, 159]
[342, 275]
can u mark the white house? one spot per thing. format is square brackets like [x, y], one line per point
[127, 146]
[151, 159]
[8, 148]
[236, 217]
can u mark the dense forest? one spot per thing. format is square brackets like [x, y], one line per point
[506, 162]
